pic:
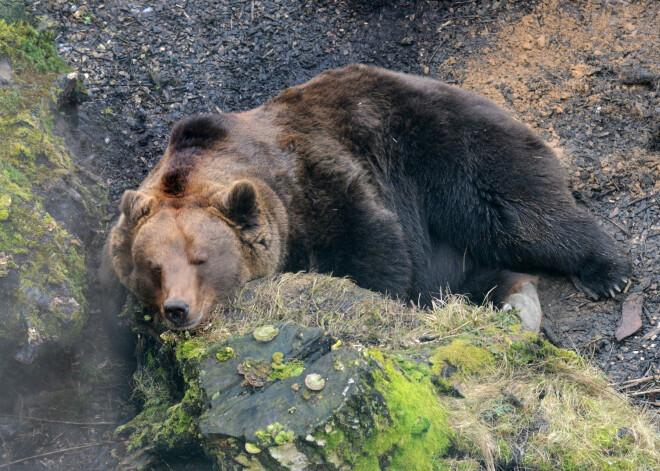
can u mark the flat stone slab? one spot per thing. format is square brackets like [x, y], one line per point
[239, 410]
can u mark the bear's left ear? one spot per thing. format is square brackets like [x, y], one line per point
[240, 205]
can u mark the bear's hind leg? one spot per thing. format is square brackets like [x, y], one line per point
[507, 290]
[557, 237]
[577, 246]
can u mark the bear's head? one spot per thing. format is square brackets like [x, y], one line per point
[185, 257]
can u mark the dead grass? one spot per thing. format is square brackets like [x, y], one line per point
[540, 408]
[346, 311]
[553, 415]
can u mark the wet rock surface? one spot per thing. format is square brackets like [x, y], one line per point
[239, 411]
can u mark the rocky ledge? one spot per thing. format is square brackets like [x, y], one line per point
[312, 372]
[49, 204]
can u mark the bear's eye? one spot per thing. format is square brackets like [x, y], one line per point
[198, 261]
[156, 268]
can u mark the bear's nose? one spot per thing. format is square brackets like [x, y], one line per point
[176, 311]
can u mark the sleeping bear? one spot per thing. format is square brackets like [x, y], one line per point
[406, 185]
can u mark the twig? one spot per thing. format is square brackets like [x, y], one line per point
[641, 393]
[644, 208]
[89, 424]
[625, 231]
[648, 315]
[634, 382]
[650, 334]
[51, 453]
[642, 198]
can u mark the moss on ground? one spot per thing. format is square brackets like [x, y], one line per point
[462, 354]
[512, 400]
[42, 264]
[417, 432]
[168, 423]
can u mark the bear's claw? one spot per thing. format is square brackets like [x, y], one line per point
[589, 293]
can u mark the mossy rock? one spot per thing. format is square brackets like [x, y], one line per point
[12, 11]
[482, 395]
[48, 205]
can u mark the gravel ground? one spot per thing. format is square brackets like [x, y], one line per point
[583, 75]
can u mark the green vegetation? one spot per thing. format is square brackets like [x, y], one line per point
[417, 430]
[48, 261]
[481, 395]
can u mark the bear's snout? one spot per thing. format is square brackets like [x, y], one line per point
[176, 311]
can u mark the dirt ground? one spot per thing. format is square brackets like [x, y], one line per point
[585, 75]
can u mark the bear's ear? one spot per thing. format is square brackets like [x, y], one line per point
[136, 205]
[238, 203]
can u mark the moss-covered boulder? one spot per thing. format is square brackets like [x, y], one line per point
[12, 11]
[48, 204]
[371, 384]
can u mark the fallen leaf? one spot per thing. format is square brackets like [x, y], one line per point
[631, 320]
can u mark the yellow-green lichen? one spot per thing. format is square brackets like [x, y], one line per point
[224, 354]
[289, 369]
[45, 256]
[274, 435]
[462, 354]
[417, 430]
[192, 348]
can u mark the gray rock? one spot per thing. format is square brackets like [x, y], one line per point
[236, 414]
[289, 457]
[6, 76]
[12, 11]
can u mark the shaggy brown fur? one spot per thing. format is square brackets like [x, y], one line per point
[405, 184]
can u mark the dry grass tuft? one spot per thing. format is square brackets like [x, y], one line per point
[345, 310]
[552, 415]
[538, 407]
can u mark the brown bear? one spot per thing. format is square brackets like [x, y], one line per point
[405, 184]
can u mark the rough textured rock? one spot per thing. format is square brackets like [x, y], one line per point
[6, 76]
[48, 207]
[483, 392]
[12, 10]
[526, 302]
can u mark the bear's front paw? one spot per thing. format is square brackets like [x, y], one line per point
[604, 276]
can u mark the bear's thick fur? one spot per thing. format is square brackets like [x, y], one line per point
[407, 185]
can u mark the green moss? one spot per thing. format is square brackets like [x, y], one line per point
[528, 348]
[46, 257]
[463, 355]
[416, 430]
[290, 368]
[32, 53]
[169, 425]
[193, 348]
